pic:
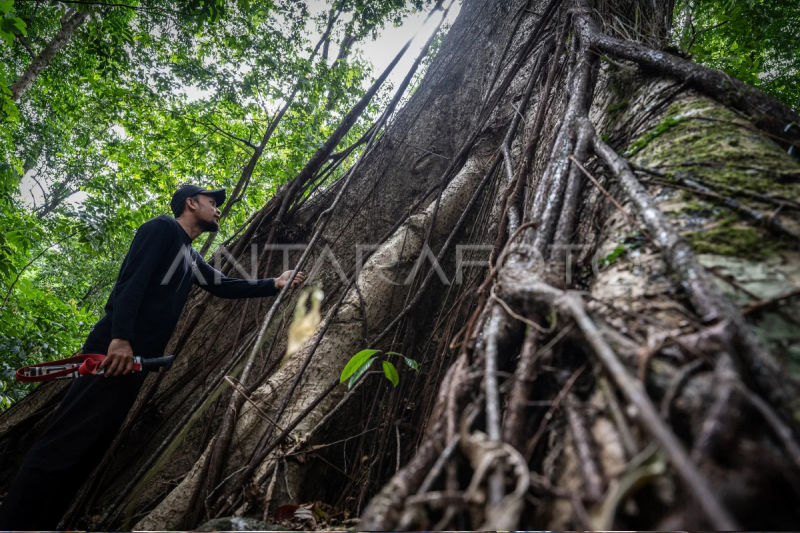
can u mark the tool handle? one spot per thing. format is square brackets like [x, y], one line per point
[158, 362]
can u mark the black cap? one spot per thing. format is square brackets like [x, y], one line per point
[187, 191]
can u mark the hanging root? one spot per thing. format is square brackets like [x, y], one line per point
[753, 358]
[520, 285]
[765, 112]
[485, 454]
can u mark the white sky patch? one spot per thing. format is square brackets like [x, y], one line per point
[391, 39]
[119, 131]
[381, 51]
[194, 93]
[77, 199]
[32, 195]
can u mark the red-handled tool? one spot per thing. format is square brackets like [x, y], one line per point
[84, 365]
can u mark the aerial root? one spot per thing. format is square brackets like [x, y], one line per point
[523, 285]
[485, 454]
[750, 355]
[768, 114]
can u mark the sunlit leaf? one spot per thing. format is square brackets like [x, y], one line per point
[390, 372]
[355, 363]
[360, 372]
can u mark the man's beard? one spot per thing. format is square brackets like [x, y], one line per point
[209, 225]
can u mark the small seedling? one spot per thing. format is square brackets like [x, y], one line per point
[358, 365]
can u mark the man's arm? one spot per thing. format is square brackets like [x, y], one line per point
[219, 285]
[147, 248]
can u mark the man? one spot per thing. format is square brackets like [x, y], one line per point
[141, 314]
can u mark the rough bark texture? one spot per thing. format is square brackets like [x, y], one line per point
[638, 376]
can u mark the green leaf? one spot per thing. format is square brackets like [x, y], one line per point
[17, 241]
[6, 5]
[391, 373]
[360, 372]
[355, 363]
[21, 26]
[410, 362]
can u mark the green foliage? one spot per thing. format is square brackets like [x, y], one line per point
[615, 254]
[10, 27]
[10, 24]
[356, 362]
[390, 372]
[753, 40]
[358, 365]
[410, 362]
[360, 372]
[632, 241]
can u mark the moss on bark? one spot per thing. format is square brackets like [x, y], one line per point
[702, 139]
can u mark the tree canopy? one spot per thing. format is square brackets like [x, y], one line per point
[753, 40]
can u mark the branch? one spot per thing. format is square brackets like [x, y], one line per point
[60, 193]
[70, 21]
[225, 133]
[333, 16]
[21, 39]
[766, 112]
[44, 194]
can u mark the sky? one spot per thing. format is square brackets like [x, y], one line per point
[379, 52]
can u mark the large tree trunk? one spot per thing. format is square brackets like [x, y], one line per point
[545, 418]
[69, 24]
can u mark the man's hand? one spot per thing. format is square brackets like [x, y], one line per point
[119, 360]
[284, 279]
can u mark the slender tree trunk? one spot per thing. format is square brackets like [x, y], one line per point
[40, 62]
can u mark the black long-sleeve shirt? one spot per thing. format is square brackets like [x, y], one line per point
[153, 285]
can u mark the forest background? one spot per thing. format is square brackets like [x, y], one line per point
[94, 107]
[142, 97]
